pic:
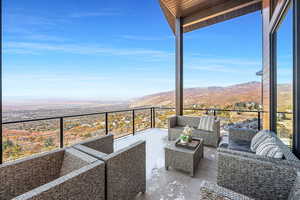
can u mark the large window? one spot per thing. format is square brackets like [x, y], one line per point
[284, 78]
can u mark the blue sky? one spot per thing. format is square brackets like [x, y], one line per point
[285, 50]
[91, 49]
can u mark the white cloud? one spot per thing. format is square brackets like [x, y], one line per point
[212, 68]
[145, 38]
[95, 14]
[54, 77]
[227, 61]
[32, 47]
[44, 37]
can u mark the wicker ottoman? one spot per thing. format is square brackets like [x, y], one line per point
[183, 159]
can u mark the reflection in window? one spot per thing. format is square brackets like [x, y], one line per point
[285, 79]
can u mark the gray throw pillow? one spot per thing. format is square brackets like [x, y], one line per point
[207, 123]
[258, 139]
[269, 148]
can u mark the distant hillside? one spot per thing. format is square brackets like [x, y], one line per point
[218, 96]
[284, 97]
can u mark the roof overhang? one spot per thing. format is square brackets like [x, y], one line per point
[200, 13]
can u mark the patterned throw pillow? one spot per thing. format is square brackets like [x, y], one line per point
[269, 148]
[258, 139]
[207, 123]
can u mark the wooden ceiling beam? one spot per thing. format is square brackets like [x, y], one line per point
[218, 10]
[169, 15]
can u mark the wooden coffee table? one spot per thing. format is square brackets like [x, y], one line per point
[182, 158]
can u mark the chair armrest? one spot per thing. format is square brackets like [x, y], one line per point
[241, 134]
[254, 178]
[92, 152]
[85, 183]
[126, 171]
[104, 144]
[172, 121]
[220, 191]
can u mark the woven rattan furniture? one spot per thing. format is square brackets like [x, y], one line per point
[61, 174]
[176, 125]
[182, 158]
[211, 191]
[257, 176]
[125, 168]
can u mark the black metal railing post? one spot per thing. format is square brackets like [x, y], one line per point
[259, 120]
[133, 128]
[61, 140]
[153, 109]
[151, 117]
[106, 123]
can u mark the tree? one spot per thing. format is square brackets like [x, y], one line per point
[8, 143]
[49, 142]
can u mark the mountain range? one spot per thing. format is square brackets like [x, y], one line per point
[214, 96]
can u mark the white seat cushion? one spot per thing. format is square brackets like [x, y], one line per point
[260, 137]
[207, 123]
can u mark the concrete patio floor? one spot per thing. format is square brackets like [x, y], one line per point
[171, 184]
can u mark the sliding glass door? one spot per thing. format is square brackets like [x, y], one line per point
[284, 78]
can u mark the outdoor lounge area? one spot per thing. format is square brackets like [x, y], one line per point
[137, 170]
[194, 156]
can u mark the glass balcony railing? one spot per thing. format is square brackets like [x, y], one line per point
[27, 137]
[22, 139]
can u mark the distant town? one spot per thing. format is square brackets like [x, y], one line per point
[23, 139]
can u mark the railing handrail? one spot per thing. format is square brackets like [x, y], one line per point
[130, 110]
[210, 109]
[72, 116]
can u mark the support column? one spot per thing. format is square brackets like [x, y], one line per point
[179, 67]
[1, 129]
[296, 78]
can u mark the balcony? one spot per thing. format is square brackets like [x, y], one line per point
[50, 158]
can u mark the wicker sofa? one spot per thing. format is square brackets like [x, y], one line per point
[256, 176]
[176, 125]
[60, 174]
[213, 191]
[125, 168]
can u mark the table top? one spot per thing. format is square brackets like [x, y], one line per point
[171, 145]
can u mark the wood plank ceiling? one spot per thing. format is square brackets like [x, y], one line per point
[200, 13]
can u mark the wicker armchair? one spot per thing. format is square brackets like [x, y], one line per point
[125, 169]
[61, 174]
[177, 123]
[256, 176]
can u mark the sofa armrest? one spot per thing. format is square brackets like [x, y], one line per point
[276, 161]
[241, 134]
[172, 121]
[217, 127]
[208, 187]
[251, 155]
[254, 178]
